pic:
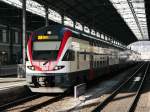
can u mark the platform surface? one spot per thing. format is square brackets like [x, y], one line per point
[7, 83]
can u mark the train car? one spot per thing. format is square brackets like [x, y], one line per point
[130, 55]
[59, 57]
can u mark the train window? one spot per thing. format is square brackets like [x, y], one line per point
[100, 63]
[20, 38]
[44, 55]
[95, 64]
[13, 36]
[96, 44]
[99, 44]
[69, 56]
[103, 62]
[7, 36]
[85, 55]
[1, 39]
[16, 37]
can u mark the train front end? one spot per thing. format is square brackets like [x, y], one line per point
[45, 70]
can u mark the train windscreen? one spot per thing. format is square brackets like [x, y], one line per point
[45, 50]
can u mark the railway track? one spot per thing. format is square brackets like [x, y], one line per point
[84, 105]
[19, 101]
[126, 96]
[54, 103]
[32, 103]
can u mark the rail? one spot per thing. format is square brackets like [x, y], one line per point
[18, 101]
[32, 98]
[116, 91]
[136, 98]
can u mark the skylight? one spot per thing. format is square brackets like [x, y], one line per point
[133, 13]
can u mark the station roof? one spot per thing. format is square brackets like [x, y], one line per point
[100, 15]
[147, 7]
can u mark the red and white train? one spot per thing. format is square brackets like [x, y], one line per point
[59, 57]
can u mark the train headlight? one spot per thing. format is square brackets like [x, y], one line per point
[58, 67]
[31, 67]
[41, 79]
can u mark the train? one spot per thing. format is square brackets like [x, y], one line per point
[130, 55]
[59, 57]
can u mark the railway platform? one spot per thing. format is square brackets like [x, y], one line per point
[7, 83]
[12, 88]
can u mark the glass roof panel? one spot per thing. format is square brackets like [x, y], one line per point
[86, 29]
[55, 16]
[68, 21]
[78, 26]
[16, 3]
[35, 8]
[133, 13]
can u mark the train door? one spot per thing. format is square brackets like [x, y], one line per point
[91, 73]
[91, 56]
[91, 61]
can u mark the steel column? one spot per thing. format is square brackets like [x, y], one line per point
[83, 28]
[62, 19]
[74, 24]
[24, 30]
[10, 44]
[46, 16]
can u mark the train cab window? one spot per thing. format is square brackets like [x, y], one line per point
[69, 56]
[44, 55]
[97, 64]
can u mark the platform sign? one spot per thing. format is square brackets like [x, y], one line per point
[79, 90]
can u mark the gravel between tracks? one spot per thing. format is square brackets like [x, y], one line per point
[29, 104]
[144, 101]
